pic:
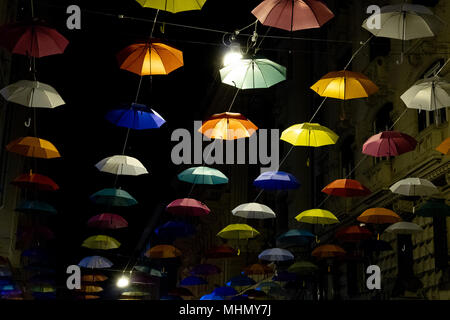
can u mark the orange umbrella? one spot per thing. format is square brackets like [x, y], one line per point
[94, 277]
[379, 216]
[152, 58]
[328, 251]
[444, 147]
[346, 188]
[88, 297]
[257, 268]
[163, 251]
[35, 180]
[34, 148]
[90, 289]
[228, 126]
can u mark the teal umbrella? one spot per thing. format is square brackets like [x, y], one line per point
[254, 73]
[36, 207]
[203, 175]
[113, 197]
[434, 208]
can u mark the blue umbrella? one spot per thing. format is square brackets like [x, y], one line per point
[276, 254]
[241, 281]
[212, 296]
[36, 253]
[175, 229]
[169, 297]
[113, 197]
[36, 207]
[193, 281]
[95, 262]
[137, 117]
[276, 180]
[224, 291]
[295, 237]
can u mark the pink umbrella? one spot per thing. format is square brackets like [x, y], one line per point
[292, 15]
[107, 221]
[188, 207]
[388, 144]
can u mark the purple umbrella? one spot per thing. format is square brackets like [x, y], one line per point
[388, 144]
[205, 270]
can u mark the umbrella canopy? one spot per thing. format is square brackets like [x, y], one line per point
[293, 15]
[238, 281]
[33, 94]
[346, 188]
[35, 181]
[284, 276]
[36, 207]
[212, 296]
[317, 216]
[253, 210]
[328, 251]
[444, 147]
[188, 207]
[34, 148]
[414, 187]
[257, 269]
[254, 73]
[276, 254]
[122, 165]
[253, 293]
[268, 284]
[388, 144]
[379, 216]
[405, 22]
[101, 242]
[205, 270]
[107, 221]
[90, 289]
[193, 281]
[88, 297]
[173, 6]
[175, 229]
[404, 228]
[137, 117]
[309, 135]
[434, 208]
[95, 262]
[32, 38]
[163, 251]
[203, 175]
[37, 232]
[344, 85]
[238, 232]
[152, 58]
[303, 268]
[113, 197]
[227, 126]
[94, 277]
[222, 251]
[181, 292]
[295, 237]
[428, 94]
[353, 234]
[276, 180]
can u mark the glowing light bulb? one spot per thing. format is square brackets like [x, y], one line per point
[233, 56]
[123, 282]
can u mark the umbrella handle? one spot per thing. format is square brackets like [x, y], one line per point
[27, 123]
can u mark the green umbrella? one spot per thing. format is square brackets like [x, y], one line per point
[203, 175]
[303, 268]
[434, 208]
[36, 207]
[113, 197]
[253, 73]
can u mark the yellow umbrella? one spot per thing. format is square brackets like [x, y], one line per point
[101, 242]
[345, 85]
[173, 6]
[309, 135]
[34, 148]
[90, 289]
[317, 216]
[238, 232]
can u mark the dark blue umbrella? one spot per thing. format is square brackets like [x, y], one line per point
[193, 281]
[36, 207]
[175, 229]
[212, 296]
[224, 291]
[241, 281]
[295, 237]
[276, 180]
[137, 117]
[204, 270]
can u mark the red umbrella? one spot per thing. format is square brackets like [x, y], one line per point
[107, 221]
[353, 234]
[223, 251]
[346, 188]
[35, 180]
[187, 207]
[32, 39]
[292, 15]
[388, 144]
[37, 233]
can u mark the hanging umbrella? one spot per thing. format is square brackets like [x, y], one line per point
[428, 94]
[444, 147]
[379, 216]
[173, 6]
[309, 135]
[88, 297]
[328, 251]
[150, 271]
[222, 251]
[152, 58]
[344, 85]
[203, 175]
[37, 232]
[253, 210]
[35, 180]
[276, 254]
[42, 288]
[295, 237]
[285, 276]
[34, 148]
[276, 180]
[388, 144]
[94, 277]
[181, 292]
[303, 268]
[254, 73]
[346, 188]
[353, 234]
[175, 229]
[90, 289]
[238, 232]
[163, 251]
[95, 262]
[268, 284]
[137, 117]
[33, 94]
[205, 270]
[107, 221]
[32, 38]
[188, 207]
[193, 281]
[113, 197]
[257, 269]
[414, 187]
[317, 216]
[238, 281]
[253, 293]
[101, 242]
[122, 165]
[227, 126]
[211, 296]
[404, 228]
[36, 207]
[434, 208]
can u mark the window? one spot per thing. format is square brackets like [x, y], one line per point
[429, 118]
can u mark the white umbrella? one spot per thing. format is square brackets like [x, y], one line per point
[122, 165]
[404, 228]
[428, 94]
[276, 254]
[414, 187]
[253, 210]
[33, 94]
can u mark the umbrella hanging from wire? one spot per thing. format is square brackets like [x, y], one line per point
[317, 216]
[276, 180]
[257, 269]
[228, 126]
[389, 144]
[33, 147]
[238, 232]
[137, 117]
[35, 181]
[414, 187]
[203, 175]
[121, 165]
[101, 242]
[173, 6]
[33, 206]
[276, 254]
[295, 237]
[253, 211]
[95, 262]
[379, 216]
[353, 234]
[163, 251]
[221, 252]
[428, 94]
[309, 135]
[404, 228]
[113, 197]
[205, 270]
[434, 208]
[107, 221]
[346, 188]
[33, 94]
[187, 207]
[328, 251]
